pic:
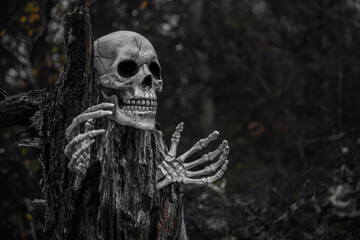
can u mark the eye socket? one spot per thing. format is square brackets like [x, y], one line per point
[155, 70]
[127, 68]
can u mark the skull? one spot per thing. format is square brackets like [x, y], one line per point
[130, 76]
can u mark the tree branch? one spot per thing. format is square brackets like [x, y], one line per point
[18, 109]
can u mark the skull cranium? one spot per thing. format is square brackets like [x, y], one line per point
[130, 76]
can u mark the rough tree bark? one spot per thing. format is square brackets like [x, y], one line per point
[118, 197]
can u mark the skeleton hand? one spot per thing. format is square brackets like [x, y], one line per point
[78, 148]
[174, 169]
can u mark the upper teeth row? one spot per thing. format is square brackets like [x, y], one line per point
[145, 102]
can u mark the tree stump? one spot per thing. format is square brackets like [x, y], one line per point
[118, 197]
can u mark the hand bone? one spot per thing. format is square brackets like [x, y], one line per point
[174, 169]
[78, 148]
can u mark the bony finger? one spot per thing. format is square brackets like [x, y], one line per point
[221, 172]
[204, 142]
[99, 106]
[224, 154]
[83, 118]
[175, 138]
[198, 146]
[94, 133]
[218, 151]
[78, 158]
[222, 159]
[86, 147]
[98, 114]
[83, 148]
[224, 166]
[226, 150]
[87, 116]
[88, 126]
[207, 180]
[214, 135]
[71, 131]
[179, 129]
[85, 154]
[72, 163]
[81, 169]
[82, 137]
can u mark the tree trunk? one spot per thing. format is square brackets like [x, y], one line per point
[118, 197]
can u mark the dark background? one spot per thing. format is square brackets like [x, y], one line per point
[278, 79]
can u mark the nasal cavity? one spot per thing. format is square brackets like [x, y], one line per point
[147, 82]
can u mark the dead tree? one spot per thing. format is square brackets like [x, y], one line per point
[118, 197]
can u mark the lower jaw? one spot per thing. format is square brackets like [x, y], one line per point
[131, 115]
[137, 119]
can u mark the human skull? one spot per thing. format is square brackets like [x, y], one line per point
[130, 76]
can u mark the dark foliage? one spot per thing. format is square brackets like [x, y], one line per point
[277, 78]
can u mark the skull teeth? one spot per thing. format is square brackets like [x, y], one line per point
[140, 102]
[140, 108]
[140, 105]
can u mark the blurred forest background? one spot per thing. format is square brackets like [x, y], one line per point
[278, 79]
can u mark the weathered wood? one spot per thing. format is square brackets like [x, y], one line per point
[74, 92]
[18, 109]
[130, 205]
